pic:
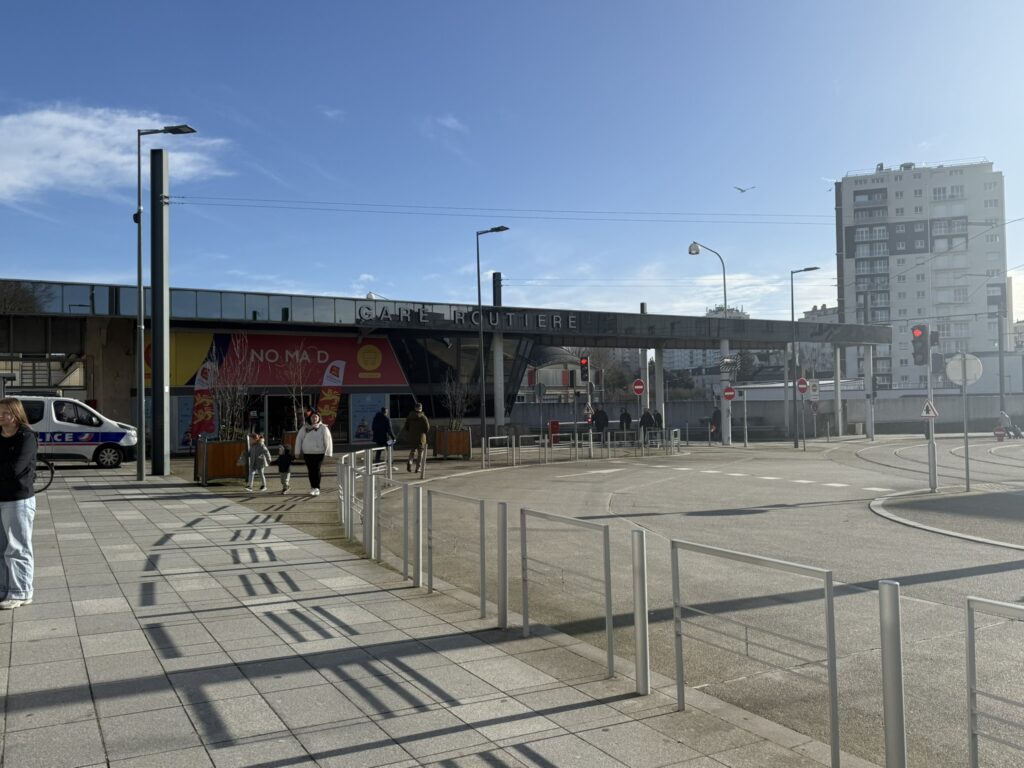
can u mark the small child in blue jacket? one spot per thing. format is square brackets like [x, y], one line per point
[284, 466]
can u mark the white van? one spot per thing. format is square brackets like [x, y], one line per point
[70, 429]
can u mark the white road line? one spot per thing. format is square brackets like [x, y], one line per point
[737, 474]
[801, 481]
[837, 485]
[880, 490]
[768, 477]
[591, 472]
[683, 469]
[711, 471]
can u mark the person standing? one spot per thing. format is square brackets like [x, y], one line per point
[600, 420]
[313, 443]
[716, 425]
[417, 425]
[383, 430]
[18, 449]
[625, 420]
[646, 424]
[259, 459]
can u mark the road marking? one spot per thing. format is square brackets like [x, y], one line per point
[683, 469]
[801, 481]
[711, 471]
[837, 485]
[591, 472]
[880, 490]
[737, 474]
[767, 477]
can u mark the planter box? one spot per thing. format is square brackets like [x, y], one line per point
[453, 442]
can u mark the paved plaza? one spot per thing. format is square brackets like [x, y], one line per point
[173, 626]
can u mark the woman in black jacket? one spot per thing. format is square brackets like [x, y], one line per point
[18, 447]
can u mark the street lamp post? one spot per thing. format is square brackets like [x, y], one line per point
[694, 250]
[792, 319]
[140, 362]
[483, 363]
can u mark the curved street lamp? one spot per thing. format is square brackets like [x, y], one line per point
[694, 250]
[483, 363]
[140, 371]
[792, 320]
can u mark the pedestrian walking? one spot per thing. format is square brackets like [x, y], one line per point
[625, 420]
[259, 460]
[646, 423]
[716, 425]
[417, 426]
[284, 466]
[313, 444]
[383, 431]
[18, 451]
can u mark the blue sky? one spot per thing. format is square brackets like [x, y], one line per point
[418, 123]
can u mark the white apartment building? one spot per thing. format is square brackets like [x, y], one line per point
[922, 244]
[681, 359]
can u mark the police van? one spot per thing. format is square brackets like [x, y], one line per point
[70, 429]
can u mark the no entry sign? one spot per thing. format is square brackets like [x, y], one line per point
[801, 385]
[728, 393]
[638, 387]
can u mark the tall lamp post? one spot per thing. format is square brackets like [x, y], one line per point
[140, 462]
[792, 320]
[694, 250]
[483, 362]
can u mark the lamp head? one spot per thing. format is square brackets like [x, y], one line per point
[694, 249]
[178, 129]
[501, 228]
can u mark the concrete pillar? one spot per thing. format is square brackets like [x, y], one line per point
[869, 391]
[659, 374]
[837, 353]
[785, 390]
[498, 368]
[726, 406]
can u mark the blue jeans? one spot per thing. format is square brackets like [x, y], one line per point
[16, 519]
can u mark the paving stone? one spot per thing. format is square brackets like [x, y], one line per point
[562, 750]
[277, 674]
[507, 673]
[208, 684]
[638, 745]
[703, 732]
[107, 622]
[230, 719]
[43, 628]
[57, 746]
[431, 732]
[502, 718]
[47, 694]
[316, 705]
[284, 751]
[352, 745]
[40, 651]
[126, 641]
[764, 754]
[195, 757]
[146, 733]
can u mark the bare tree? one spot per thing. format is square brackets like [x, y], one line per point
[24, 298]
[456, 398]
[229, 386]
[300, 373]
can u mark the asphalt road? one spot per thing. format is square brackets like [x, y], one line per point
[755, 637]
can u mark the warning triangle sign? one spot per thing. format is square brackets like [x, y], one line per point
[928, 412]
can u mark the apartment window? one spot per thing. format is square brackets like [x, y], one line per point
[897, 177]
[919, 226]
[956, 172]
[901, 294]
[940, 227]
[990, 185]
[960, 293]
[918, 209]
[918, 193]
[920, 294]
[901, 313]
[879, 249]
[940, 244]
[991, 203]
[917, 175]
[860, 234]
[992, 272]
[919, 244]
[901, 278]
[956, 190]
[901, 262]
[919, 277]
[938, 193]
[901, 228]
[899, 194]
[901, 246]
[862, 249]
[958, 243]
[899, 211]
[879, 232]
[904, 361]
[991, 238]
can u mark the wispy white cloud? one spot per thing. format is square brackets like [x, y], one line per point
[444, 129]
[89, 151]
[331, 113]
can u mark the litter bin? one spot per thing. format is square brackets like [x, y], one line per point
[553, 427]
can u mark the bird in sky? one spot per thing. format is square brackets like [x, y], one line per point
[741, 190]
[832, 183]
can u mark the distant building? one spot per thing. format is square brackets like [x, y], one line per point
[922, 244]
[689, 359]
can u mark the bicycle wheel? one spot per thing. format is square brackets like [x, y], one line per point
[44, 475]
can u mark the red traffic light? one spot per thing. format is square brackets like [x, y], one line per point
[917, 332]
[584, 361]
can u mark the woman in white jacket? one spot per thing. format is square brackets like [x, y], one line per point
[313, 443]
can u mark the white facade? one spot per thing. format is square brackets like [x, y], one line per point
[680, 359]
[922, 244]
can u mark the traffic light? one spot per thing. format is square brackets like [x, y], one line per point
[921, 342]
[584, 369]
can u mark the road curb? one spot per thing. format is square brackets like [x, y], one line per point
[877, 506]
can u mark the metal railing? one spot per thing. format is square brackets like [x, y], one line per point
[677, 545]
[501, 445]
[433, 493]
[975, 733]
[606, 553]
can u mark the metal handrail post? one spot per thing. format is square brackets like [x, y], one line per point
[502, 565]
[640, 628]
[677, 621]
[368, 511]
[405, 531]
[608, 620]
[430, 541]
[524, 564]
[417, 538]
[892, 674]
[483, 559]
[833, 675]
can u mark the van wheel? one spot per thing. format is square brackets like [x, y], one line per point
[108, 456]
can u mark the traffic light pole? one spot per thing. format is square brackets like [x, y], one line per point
[932, 474]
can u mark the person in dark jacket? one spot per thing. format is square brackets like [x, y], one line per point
[600, 420]
[716, 425]
[625, 420]
[646, 423]
[18, 449]
[383, 430]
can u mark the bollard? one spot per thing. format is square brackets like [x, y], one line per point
[892, 674]
[417, 538]
[687, 434]
[502, 565]
[640, 628]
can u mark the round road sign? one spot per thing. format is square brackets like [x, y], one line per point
[801, 385]
[638, 387]
[955, 366]
[728, 393]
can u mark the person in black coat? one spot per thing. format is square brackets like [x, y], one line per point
[383, 430]
[625, 420]
[600, 420]
[716, 425]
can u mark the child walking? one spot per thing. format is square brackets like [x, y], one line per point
[259, 458]
[284, 466]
